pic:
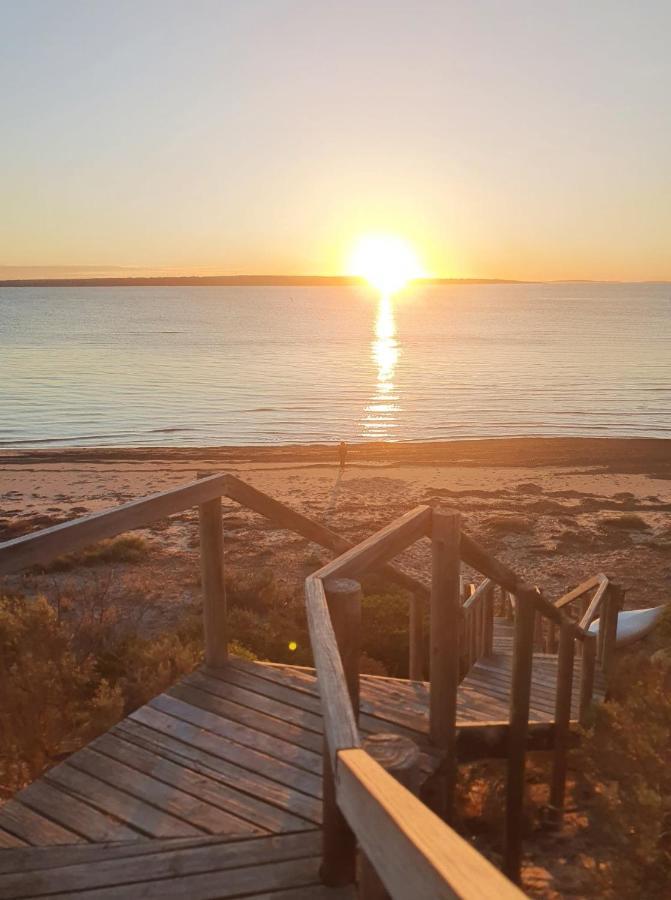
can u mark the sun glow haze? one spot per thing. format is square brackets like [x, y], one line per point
[387, 262]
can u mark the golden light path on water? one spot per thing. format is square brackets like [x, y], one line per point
[381, 414]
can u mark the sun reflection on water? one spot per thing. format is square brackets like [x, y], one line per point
[381, 412]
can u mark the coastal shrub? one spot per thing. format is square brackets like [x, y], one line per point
[52, 698]
[624, 760]
[508, 525]
[384, 629]
[66, 676]
[625, 522]
[129, 548]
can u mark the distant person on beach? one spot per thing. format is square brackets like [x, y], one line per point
[342, 455]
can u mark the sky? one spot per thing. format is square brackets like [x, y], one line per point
[511, 139]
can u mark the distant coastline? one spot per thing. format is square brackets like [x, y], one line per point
[280, 281]
[231, 280]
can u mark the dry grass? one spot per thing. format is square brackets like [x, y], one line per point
[129, 548]
[502, 524]
[625, 522]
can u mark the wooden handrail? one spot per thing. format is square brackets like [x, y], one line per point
[579, 591]
[272, 509]
[478, 558]
[339, 723]
[381, 546]
[45, 545]
[595, 603]
[479, 594]
[416, 855]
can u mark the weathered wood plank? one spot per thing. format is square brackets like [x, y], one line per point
[262, 702]
[595, 603]
[192, 694]
[343, 598]
[200, 733]
[75, 814]
[416, 855]
[213, 791]
[87, 875]
[78, 778]
[291, 874]
[517, 738]
[234, 731]
[444, 645]
[286, 798]
[33, 828]
[212, 580]
[582, 588]
[339, 722]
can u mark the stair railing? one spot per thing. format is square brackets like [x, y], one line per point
[416, 854]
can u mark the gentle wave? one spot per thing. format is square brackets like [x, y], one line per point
[240, 365]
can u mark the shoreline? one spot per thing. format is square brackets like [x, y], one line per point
[614, 454]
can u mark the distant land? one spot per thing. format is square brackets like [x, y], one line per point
[211, 280]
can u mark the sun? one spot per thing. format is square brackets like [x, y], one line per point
[386, 261]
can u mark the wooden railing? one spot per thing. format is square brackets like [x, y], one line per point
[476, 635]
[416, 854]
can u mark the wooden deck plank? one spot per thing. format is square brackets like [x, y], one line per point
[294, 874]
[31, 827]
[10, 840]
[272, 725]
[196, 735]
[151, 800]
[235, 731]
[262, 702]
[31, 859]
[87, 875]
[211, 790]
[237, 750]
[77, 816]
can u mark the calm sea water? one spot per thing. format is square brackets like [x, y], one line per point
[227, 365]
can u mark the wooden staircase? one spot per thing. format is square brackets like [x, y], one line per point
[223, 785]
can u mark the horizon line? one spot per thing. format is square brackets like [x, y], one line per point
[285, 280]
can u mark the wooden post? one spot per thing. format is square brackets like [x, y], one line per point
[508, 607]
[444, 662]
[562, 719]
[551, 643]
[520, 694]
[587, 677]
[212, 580]
[611, 611]
[400, 757]
[539, 637]
[488, 647]
[416, 629]
[343, 597]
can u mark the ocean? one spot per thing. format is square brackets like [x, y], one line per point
[208, 366]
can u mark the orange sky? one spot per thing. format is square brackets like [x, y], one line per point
[518, 140]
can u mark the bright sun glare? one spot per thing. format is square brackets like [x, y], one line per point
[386, 261]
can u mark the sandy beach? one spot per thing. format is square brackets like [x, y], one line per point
[558, 510]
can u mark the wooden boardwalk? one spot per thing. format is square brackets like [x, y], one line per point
[221, 772]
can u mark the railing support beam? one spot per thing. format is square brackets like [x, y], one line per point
[343, 597]
[587, 678]
[444, 662]
[562, 719]
[520, 695]
[212, 580]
